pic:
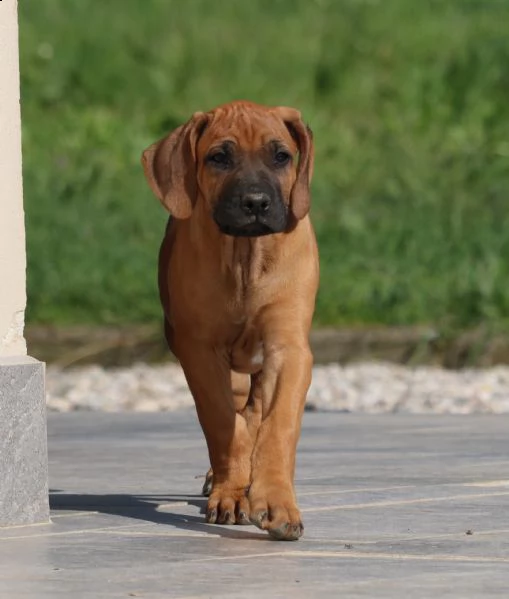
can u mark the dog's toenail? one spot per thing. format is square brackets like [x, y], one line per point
[211, 516]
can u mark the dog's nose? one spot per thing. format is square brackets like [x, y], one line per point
[255, 203]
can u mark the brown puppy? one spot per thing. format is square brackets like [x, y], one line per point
[238, 274]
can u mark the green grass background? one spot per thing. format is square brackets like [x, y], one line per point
[408, 100]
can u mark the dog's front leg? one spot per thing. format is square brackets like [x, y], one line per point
[228, 439]
[286, 379]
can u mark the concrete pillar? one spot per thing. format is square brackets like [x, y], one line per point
[23, 453]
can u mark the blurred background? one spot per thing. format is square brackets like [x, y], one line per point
[408, 101]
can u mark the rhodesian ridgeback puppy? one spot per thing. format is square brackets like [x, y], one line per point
[238, 275]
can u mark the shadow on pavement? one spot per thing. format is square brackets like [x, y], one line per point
[148, 508]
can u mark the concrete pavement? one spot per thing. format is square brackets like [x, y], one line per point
[395, 506]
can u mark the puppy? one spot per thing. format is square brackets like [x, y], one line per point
[238, 275]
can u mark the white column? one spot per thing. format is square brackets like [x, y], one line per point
[12, 230]
[23, 453]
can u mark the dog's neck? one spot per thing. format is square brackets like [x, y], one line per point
[246, 259]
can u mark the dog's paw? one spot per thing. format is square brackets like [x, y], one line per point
[277, 513]
[207, 485]
[227, 506]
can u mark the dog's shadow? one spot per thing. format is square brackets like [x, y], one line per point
[150, 508]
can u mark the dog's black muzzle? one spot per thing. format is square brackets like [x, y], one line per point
[251, 208]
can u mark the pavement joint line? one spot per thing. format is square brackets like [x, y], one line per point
[407, 538]
[360, 555]
[488, 483]
[72, 532]
[140, 533]
[401, 556]
[164, 506]
[375, 504]
[17, 526]
[483, 484]
[360, 490]
[71, 515]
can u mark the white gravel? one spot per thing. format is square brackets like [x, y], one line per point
[368, 387]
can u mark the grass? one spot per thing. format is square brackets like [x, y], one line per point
[408, 102]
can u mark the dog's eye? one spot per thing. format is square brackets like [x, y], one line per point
[220, 159]
[282, 158]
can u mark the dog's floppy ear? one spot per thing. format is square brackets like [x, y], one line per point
[301, 195]
[170, 167]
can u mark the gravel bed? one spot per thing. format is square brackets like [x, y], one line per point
[366, 387]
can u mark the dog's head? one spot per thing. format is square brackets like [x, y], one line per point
[241, 160]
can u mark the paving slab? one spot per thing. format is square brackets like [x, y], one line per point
[394, 506]
[23, 454]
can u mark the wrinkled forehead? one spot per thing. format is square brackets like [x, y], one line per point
[249, 128]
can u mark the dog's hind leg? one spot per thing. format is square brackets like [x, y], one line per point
[252, 410]
[247, 398]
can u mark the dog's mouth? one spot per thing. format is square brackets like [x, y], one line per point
[252, 229]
